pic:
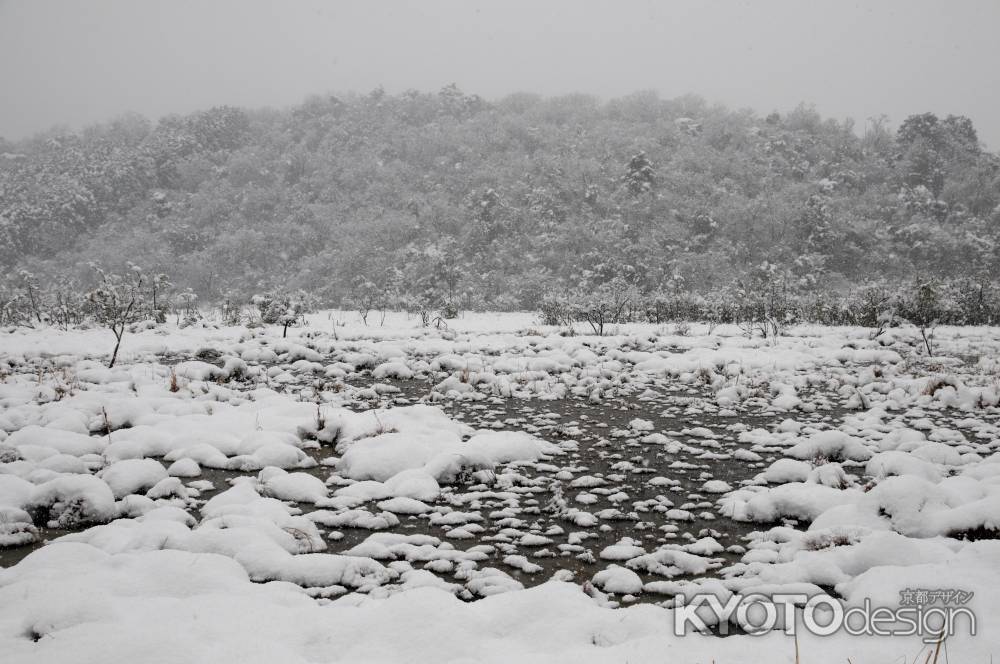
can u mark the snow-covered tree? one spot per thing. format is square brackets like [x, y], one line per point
[117, 301]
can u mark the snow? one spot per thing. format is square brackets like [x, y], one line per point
[784, 471]
[56, 440]
[716, 486]
[834, 445]
[185, 467]
[403, 505]
[267, 520]
[616, 579]
[624, 550]
[132, 476]
[183, 607]
[72, 500]
[296, 487]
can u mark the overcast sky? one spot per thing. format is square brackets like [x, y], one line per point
[73, 62]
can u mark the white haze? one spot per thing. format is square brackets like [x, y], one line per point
[74, 63]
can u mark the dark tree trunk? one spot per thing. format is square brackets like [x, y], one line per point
[114, 355]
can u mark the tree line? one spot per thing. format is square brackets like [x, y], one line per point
[438, 202]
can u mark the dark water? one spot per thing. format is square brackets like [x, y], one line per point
[623, 463]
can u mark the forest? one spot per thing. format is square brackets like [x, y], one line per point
[637, 208]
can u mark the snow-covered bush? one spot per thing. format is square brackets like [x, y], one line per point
[14, 307]
[71, 501]
[64, 304]
[118, 301]
[609, 303]
[368, 296]
[282, 308]
[231, 310]
[554, 309]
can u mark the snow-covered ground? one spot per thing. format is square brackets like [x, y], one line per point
[345, 494]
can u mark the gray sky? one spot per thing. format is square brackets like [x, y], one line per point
[73, 62]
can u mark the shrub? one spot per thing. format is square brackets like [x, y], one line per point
[118, 301]
[610, 303]
[282, 308]
[555, 310]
